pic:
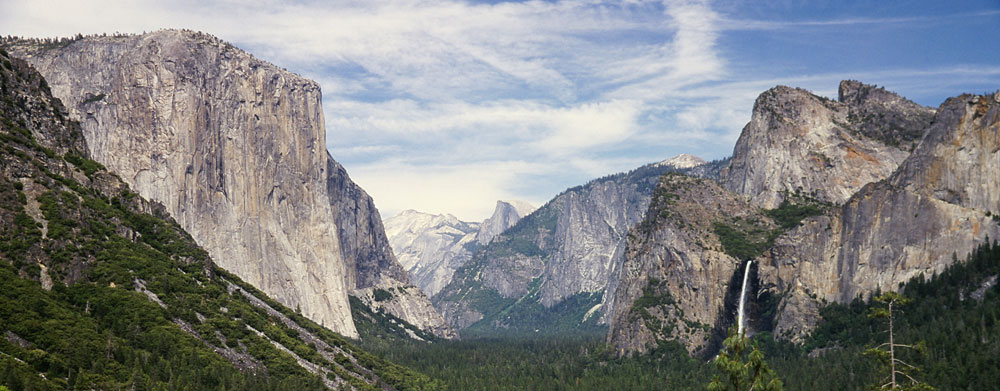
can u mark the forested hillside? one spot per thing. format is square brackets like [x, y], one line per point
[99, 289]
[956, 314]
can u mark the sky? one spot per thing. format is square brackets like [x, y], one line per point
[447, 106]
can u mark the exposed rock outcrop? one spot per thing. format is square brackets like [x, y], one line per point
[683, 160]
[370, 262]
[898, 218]
[675, 273]
[234, 148]
[506, 214]
[558, 266]
[938, 203]
[800, 142]
[431, 247]
[136, 266]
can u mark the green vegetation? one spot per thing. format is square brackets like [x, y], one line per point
[383, 327]
[89, 167]
[380, 294]
[899, 372]
[581, 363]
[741, 367]
[957, 313]
[744, 240]
[790, 213]
[654, 295]
[96, 293]
[527, 317]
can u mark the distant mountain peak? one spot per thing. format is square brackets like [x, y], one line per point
[683, 160]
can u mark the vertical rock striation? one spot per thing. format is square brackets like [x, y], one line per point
[506, 214]
[674, 277]
[938, 203]
[557, 267]
[234, 147]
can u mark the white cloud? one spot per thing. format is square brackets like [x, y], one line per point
[446, 106]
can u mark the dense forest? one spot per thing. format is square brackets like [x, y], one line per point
[956, 315]
[100, 289]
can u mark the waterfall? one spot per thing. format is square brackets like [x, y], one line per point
[743, 299]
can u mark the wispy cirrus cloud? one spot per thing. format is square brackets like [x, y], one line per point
[445, 106]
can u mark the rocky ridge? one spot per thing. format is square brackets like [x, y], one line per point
[941, 201]
[558, 266]
[938, 201]
[673, 283]
[94, 258]
[234, 148]
[431, 247]
[799, 142]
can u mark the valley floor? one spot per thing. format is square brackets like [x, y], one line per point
[956, 314]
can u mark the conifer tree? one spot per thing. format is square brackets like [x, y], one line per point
[887, 354]
[741, 367]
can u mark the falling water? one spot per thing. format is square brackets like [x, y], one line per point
[743, 298]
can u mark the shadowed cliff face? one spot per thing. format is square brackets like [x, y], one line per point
[558, 267]
[800, 142]
[933, 206]
[675, 271]
[432, 247]
[885, 215]
[235, 149]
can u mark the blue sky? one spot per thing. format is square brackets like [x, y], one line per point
[447, 106]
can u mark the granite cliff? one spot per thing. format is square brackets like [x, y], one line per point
[901, 188]
[942, 200]
[800, 142]
[431, 247]
[556, 268]
[234, 148]
[676, 272]
[93, 275]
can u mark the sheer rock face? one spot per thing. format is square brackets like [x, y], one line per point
[571, 247]
[506, 214]
[370, 262]
[800, 142]
[234, 148]
[675, 275]
[933, 206]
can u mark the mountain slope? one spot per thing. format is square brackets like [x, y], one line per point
[101, 289]
[941, 201]
[431, 247]
[234, 148]
[557, 267]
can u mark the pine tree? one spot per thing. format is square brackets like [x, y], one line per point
[887, 354]
[742, 367]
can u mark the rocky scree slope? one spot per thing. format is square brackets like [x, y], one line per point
[943, 200]
[101, 289]
[557, 267]
[234, 148]
[431, 247]
[800, 142]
